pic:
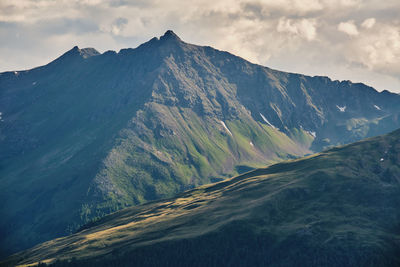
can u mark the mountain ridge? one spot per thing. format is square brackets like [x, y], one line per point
[91, 135]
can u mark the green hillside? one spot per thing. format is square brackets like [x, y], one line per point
[335, 208]
[89, 133]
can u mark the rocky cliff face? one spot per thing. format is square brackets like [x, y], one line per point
[91, 133]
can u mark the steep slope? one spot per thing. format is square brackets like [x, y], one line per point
[336, 208]
[91, 133]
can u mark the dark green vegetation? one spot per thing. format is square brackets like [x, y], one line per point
[90, 133]
[336, 208]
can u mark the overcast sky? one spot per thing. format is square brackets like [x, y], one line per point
[344, 39]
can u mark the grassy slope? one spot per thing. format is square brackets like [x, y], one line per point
[57, 132]
[338, 207]
[70, 155]
[177, 141]
[196, 150]
[83, 137]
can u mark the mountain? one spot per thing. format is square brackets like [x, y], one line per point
[91, 133]
[335, 208]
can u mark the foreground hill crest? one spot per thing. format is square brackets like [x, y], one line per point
[335, 208]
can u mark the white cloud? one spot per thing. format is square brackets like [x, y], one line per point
[379, 51]
[291, 7]
[369, 23]
[117, 26]
[349, 3]
[348, 27]
[305, 28]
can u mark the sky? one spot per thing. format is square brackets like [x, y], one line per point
[357, 40]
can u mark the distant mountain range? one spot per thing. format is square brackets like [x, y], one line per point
[336, 208]
[91, 133]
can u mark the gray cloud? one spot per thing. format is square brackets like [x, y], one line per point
[344, 39]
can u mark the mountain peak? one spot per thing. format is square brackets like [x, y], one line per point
[72, 51]
[88, 52]
[76, 52]
[169, 39]
[170, 35]
[84, 52]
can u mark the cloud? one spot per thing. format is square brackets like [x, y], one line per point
[292, 35]
[288, 7]
[369, 23]
[348, 27]
[380, 50]
[305, 28]
[117, 26]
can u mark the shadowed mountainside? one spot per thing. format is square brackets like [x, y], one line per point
[335, 208]
[91, 133]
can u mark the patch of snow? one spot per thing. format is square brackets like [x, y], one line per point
[16, 73]
[382, 159]
[341, 109]
[377, 107]
[33, 83]
[313, 134]
[270, 124]
[251, 143]
[1, 113]
[226, 128]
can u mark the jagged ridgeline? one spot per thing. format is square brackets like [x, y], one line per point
[91, 133]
